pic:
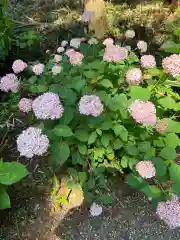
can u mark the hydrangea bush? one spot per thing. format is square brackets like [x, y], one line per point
[101, 110]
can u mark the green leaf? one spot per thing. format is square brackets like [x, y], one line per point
[138, 92]
[73, 172]
[173, 126]
[144, 147]
[174, 171]
[83, 176]
[168, 153]
[160, 166]
[62, 131]
[105, 139]
[82, 135]
[172, 140]
[134, 181]
[132, 58]
[124, 161]
[82, 149]
[60, 152]
[67, 116]
[154, 71]
[167, 102]
[12, 172]
[77, 159]
[4, 199]
[151, 191]
[131, 150]
[121, 131]
[105, 199]
[68, 95]
[92, 138]
[117, 144]
[99, 153]
[78, 84]
[170, 47]
[111, 156]
[106, 125]
[106, 83]
[175, 189]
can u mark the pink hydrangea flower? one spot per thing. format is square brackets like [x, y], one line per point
[148, 61]
[171, 65]
[146, 169]
[90, 105]
[19, 66]
[48, 106]
[115, 53]
[169, 212]
[76, 58]
[143, 112]
[142, 46]
[32, 142]
[162, 126]
[108, 41]
[134, 76]
[38, 69]
[9, 82]
[69, 51]
[129, 34]
[56, 69]
[25, 105]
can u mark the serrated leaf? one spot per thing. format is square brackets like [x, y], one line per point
[134, 181]
[174, 171]
[172, 140]
[160, 166]
[168, 153]
[82, 135]
[110, 156]
[117, 144]
[78, 84]
[12, 172]
[151, 191]
[144, 147]
[77, 158]
[175, 189]
[106, 83]
[140, 93]
[173, 126]
[106, 125]
[124, 161]
[99, 153]
[68, 95]
[60, 152]
[62, 131]
[82, 149]
[4, 199]
[167, 102]
[121, 131]
[131, 150]
[67, 116]
[154, 71]
[92, 138]
[105, 139]
[170, 46]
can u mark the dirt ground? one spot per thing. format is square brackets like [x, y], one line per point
[130, 217]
